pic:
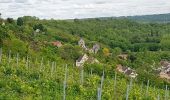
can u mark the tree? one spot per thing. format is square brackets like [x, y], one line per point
[10, 20]
[76, 20]
[20, 22]
[69, 52]
[132, 57]
[106, 51]
[40, 27]
[0, 18]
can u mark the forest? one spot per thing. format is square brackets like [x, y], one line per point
[32, 68]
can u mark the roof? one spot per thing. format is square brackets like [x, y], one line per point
[122, 67]
[128, 72]
[166, 68]
[80, 58]
[56, 43]
[37, 30]
[81, 40]
[168, 73]
[123, 56]
[96, 46]
[164, 63]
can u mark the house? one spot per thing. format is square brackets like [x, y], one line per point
[123, 56]
[81, 43]
[164, 70]
[127, 71]
[96, 48]
[90, 50]
[57, 44]
[86, 59]
[80, 62]
[131, 73]
[165, 75]
[36, 32]
[164, 63]
[121, 68]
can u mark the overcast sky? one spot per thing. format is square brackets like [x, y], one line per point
[66, 9]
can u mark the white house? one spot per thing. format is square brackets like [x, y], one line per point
[127, 71]
[81, 43]
[165, 70]
[96, 48]
[81, 60]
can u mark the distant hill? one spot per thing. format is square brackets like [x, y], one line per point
[151, 18]
[158, 18]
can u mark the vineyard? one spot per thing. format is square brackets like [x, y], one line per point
[39, 59]
[31, 78]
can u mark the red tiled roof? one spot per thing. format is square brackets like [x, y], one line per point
[57, 43]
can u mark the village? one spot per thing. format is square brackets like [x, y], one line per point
[98, 58]
[163, 70]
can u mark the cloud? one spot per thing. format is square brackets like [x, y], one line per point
[64, 9]
[21, 1]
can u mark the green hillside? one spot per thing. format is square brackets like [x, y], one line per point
[32, 67]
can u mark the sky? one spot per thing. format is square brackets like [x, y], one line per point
[70, 9]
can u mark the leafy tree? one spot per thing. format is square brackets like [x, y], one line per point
[68, 52]
[0, 15]
[40, 27]
[10, 20]
[106, 51]
[132, 57]
[20, 22]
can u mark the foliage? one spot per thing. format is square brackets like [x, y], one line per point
[20, 22]
[40, 27]
[10, 20]
[32, 68]
[106, 51]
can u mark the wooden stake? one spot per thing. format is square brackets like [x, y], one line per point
[114, 88]
[82, 77]
[127, 92]
[52, 69]
[98, 93]
[0, 55]
[9, 57]
[147, 88]
[166, 88]
[65, 84]
[41, 65]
